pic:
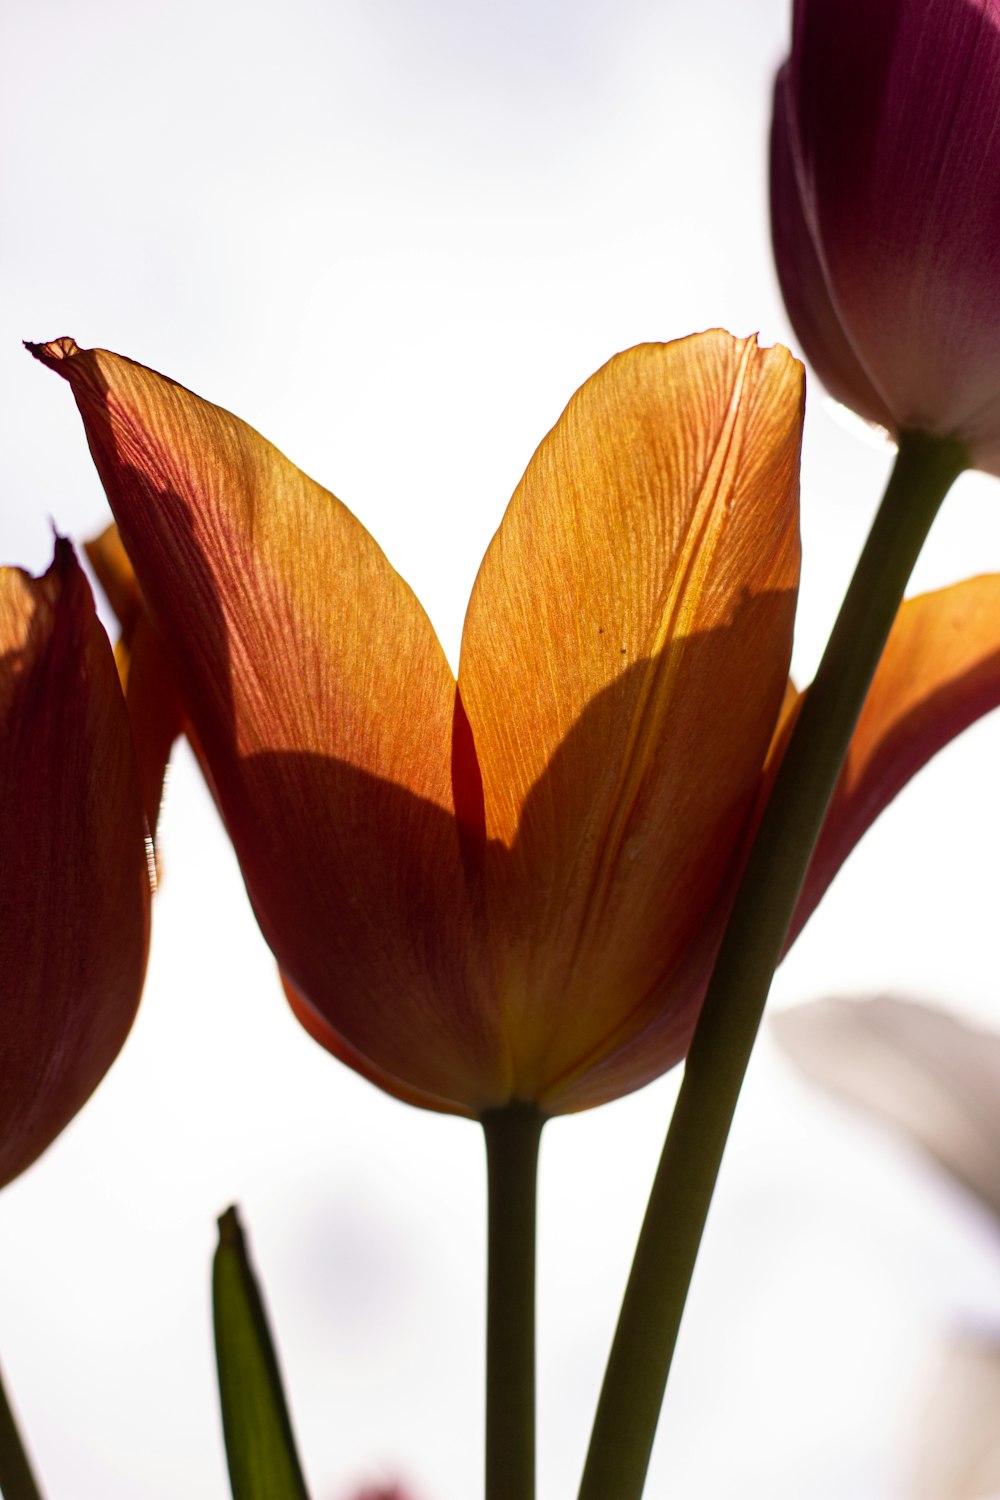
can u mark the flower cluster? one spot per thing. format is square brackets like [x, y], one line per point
[521, 890]
[510, 886]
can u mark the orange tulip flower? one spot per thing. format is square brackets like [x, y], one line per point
[74, 878]
[512, 886]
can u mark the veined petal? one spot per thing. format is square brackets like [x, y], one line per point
[623, 662]
[145, 667]
[74, 878]
[324, 707]
[640, 1055]
[940, 671]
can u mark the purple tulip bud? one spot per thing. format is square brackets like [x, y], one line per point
[885, 205]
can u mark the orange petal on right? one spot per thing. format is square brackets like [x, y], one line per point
[623, 662]
[940, 671]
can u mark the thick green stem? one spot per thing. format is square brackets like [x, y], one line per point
[17, 1482]
[512, 1137]
[636, 1375]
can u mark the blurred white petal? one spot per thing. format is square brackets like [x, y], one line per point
[914, 1067]
[958, 1455]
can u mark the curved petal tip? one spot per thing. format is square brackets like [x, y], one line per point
[54, 352]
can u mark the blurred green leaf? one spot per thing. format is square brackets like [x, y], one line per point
[17, 1482]
[260, 1447]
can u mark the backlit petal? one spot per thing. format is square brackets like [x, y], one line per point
[324, 709]
[321, 1031]
[624, 659]
[145, 668]
[642, 1055]
[74, 877]
[110, 562]
[939, 673]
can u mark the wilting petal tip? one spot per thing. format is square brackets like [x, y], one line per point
[55, 353]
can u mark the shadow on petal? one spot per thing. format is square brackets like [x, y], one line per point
[472, 973]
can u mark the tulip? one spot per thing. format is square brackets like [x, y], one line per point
[512, 887]
[885, 202]
[74, 878]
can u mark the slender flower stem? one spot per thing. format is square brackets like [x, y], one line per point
[17, 1482]
[512, 1137]
[636, 1375]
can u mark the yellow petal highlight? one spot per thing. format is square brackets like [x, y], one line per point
[323, 706]
[74, 879]
[939, 673]
[623, 662]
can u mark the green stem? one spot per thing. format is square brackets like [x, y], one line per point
[512, 1137]
[17, 1482]
[639, 1363]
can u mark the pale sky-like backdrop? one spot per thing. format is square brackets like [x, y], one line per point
[395, 238]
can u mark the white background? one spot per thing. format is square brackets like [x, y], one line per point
[395, 238]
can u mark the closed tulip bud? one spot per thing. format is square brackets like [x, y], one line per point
[885, 204]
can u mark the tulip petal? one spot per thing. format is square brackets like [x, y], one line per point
[328, 1037]
[623, 662]
[940, 671]
[324, 709]
[930, 1076]
[937, 1081]
[955, 1448]
[803, 283]
[895, 129]
[110, 562]
[74, 879]
[145, 667]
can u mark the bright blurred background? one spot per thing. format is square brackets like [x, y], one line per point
[395, 238]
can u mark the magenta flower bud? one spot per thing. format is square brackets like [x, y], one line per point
[885, 208]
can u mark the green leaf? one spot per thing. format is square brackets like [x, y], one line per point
[260, 1447]
[17, 1482]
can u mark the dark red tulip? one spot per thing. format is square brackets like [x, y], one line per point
[74, 870]
[885, 202]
